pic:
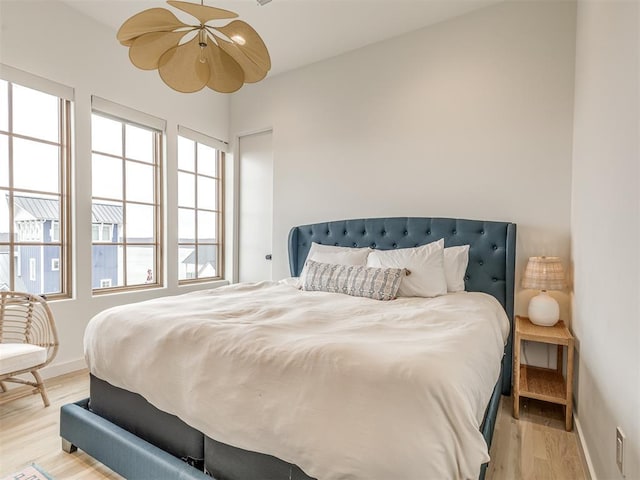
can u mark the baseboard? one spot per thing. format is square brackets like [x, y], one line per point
[583, 447]
[57, 369]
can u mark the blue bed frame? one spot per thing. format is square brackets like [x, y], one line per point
[491, 270]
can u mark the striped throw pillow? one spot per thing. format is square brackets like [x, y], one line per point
[354, 280]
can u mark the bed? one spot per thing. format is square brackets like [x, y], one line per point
[129, 433]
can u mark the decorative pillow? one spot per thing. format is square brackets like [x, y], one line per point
[354, 280]
[425, 264]
[336, 255]
[456, 260]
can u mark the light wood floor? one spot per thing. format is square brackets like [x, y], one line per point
[534, 447]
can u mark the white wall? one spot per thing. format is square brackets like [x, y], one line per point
[468, 118]
[49, 39]
[605, 231]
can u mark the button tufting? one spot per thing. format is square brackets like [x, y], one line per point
[364, 232]
[384, 232]
[428, 232]
[494, 279]
[406, 233]
[454, 232]
[495, 247]
[345, 232]
[395, 245]
[480, 263]
[355, 244]
[328, 232]
[373, 245]
[466, 277]
[336, 244]
[481, 232]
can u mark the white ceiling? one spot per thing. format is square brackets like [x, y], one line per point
[300, 32]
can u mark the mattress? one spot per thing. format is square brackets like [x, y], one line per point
[344, 387]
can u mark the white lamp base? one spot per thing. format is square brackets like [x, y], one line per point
[544, 310]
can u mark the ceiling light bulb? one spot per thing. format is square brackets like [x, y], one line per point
[238, 39]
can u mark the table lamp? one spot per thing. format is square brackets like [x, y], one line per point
[544, 273]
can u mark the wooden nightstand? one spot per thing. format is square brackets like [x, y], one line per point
[543, 383]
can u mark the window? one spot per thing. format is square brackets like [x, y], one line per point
[126, 208]
[54, 231]
[101, 232]
[55, 264]
[32, 270]
[200, 219]
[35, 121]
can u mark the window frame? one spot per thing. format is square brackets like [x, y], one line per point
[198, 138]
[126, 117]
[65, 97]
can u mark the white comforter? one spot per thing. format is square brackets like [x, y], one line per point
[344, 387]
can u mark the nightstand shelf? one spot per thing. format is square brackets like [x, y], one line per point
[544, 384]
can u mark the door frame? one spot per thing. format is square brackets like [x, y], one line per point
[236, 196]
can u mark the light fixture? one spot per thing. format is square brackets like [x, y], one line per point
[190, 57]
[544, 273]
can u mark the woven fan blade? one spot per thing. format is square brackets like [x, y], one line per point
[181, 69]
[151, 20]
[252, 72]
[249, 44]
[202, 12]
[226, 75]
[146, 50]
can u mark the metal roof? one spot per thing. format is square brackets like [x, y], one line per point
[205, 252]
[103, 213]
[46, 209]
[40, 208]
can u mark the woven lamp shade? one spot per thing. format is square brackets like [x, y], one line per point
[544, 273]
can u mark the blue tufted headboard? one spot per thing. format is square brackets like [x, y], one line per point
[492, 252]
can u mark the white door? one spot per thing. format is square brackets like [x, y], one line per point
[255, 226]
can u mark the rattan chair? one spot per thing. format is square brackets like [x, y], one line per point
[28, 342]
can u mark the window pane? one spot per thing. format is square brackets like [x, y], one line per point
[207, 226]
[5, 272]
[186, 154]
[207, 261]
[4, 107]
[139, 143]
[207, 193]
[186, 225]
[106, 214]
[140, 265]
[4, 215]
[35, 114]
[4, 161]
[207, 164]
[33, 216]
[140, 182]
[107, 266]
[186, 190]
[106, 177]
[186, 262]
[140, 223]
[106, 135]
[35, 165]
[51, 278]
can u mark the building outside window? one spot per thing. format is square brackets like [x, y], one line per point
[200, 218]
[126, 208]
[35, 118]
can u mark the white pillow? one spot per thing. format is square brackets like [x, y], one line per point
[425, 264]
[336, 255]
[456, 260]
